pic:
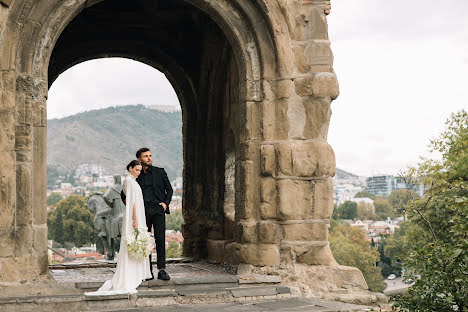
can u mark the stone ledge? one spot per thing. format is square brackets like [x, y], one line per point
[259, 279]
[259, 291]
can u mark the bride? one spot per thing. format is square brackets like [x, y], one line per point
[130, 271]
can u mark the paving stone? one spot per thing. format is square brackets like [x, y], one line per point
[157, 293]
[283, 290]
[253, 291]
[259, 279]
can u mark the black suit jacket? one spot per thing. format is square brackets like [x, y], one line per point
[161, 186]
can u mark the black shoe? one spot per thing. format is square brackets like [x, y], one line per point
[151, 278]
[162, 275]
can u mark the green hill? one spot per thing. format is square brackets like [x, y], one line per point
[110, 137]
[341, 174]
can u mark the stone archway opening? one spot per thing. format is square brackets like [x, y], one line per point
[119, 106]
[196, 56]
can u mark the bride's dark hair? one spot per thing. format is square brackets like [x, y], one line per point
[133, 163]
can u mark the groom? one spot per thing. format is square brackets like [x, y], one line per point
[157, 194]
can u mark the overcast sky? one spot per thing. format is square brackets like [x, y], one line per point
[402, 67]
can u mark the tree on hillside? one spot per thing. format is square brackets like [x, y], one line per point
[364, 194]
[400, 198]
[365, 211]
[347, 210]
[383, 209]
[438, 257]
[53, 199]
[350, 247]
[77, 222]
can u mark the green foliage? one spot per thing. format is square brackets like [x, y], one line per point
[366, 212]
[383, 209]
[175, 220]
[72, 222]
[53, 199]
[364, 194]
[350, 247]
[173, 250]
[347, 210]
[400, 198]
[438, 256]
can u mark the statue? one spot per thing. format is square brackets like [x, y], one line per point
[108, 212]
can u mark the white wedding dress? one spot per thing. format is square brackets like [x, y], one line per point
[130, 271]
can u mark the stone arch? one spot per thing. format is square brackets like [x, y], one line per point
[280, 63]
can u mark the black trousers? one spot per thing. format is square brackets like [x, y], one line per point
[156, 219]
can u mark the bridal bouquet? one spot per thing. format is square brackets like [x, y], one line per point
[140, 243]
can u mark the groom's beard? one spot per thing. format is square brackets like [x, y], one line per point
[147, 164]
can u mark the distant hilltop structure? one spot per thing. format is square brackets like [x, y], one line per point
[165, 108]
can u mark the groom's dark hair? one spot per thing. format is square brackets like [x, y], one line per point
[140, 151]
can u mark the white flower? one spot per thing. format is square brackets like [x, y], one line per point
[140, 243]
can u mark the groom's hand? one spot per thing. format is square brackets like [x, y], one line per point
[164, 206]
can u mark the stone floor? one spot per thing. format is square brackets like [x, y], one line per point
[100, 274]
[291, 304]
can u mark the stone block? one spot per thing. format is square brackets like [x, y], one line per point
[317, 255]
[304, 86]
[24, 156]
[294, 199]
[268, 190]
[313, 158]
[267, 233]
[7, 242]
[296, 118]
[268, 255]
[253, 291]
[305, 232]
[283, 290]
[24, 110]
[7, 124]
[39, 174]
[247, 203]
[310, 23]
[23, 138]
[40, 239]
[319, 53]
[283, 88]
[268, 120]
[39, 113]
[216, 250]
[258, 255]
[282, 122]
[302, 63]
[7, 100]
[325, 85]
[24, 194]
[318, 114]
[284, 157]
[267, 211]
[7, 190]
[247, 232]
[249, 150]
[268, 160]
[249, 118]
[24, 240]
[323, 199]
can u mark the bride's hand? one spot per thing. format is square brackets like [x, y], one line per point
[135, 224]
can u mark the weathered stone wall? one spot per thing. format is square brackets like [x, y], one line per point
[255, 81]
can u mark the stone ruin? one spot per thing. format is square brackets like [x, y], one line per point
[255, 82]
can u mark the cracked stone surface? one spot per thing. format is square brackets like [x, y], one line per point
[175, 270]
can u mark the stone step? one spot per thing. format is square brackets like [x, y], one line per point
[144, 298]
